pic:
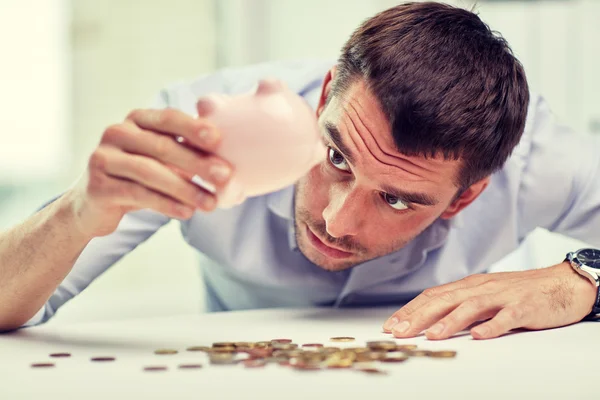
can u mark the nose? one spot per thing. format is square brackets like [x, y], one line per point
[344, 214]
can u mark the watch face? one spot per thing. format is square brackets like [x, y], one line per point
[589, 257]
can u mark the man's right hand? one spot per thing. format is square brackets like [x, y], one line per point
[139, 164]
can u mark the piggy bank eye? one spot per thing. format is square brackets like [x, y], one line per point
[337, 160]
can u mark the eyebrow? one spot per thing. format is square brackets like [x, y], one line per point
[410, 197]
[334, 134]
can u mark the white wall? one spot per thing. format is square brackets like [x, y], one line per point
[124, 52]
[34, 82]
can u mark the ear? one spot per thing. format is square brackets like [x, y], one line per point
[466, 198]
[325, 89]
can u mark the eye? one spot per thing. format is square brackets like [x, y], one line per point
[394, 202]
[337, 160]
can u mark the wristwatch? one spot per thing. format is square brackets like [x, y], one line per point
[587, 263]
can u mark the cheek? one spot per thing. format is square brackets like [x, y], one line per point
[315, 190]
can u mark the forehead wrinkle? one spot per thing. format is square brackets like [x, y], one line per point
[379, 147]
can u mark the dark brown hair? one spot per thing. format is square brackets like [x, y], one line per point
[447, 84]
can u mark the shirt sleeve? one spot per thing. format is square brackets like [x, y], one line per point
[560, 187]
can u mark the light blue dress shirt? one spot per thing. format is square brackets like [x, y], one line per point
[249, 254]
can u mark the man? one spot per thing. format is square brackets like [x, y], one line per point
[431, 175]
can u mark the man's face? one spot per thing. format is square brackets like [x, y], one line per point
[366, 199]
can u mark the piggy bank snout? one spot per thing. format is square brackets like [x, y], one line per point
[207, 105]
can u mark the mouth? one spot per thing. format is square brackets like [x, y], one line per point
[325, 249]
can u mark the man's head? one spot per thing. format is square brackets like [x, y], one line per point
[424, 105]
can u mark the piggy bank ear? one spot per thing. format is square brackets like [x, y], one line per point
[269, 86]
[207, 105]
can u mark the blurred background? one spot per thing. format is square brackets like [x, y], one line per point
[72, 67]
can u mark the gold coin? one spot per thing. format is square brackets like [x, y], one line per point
[284, 346]
[199, 348]
[386, 345]
[221, 358]
[165, 351]
[342, 339]
[223, 344]
[60, 355]
[371, 356]
[390, 358]
[42, 365]
[443, 354]
[405, 347]
[312, 345]
[418, 353]
[262, 344]
[225, 349]
[244, 345]
[357, 350]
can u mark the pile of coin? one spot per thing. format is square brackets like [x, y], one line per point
[315, 356]
[283, 352]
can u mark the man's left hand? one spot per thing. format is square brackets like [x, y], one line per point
[536, 299]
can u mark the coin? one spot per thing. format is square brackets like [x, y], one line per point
[284, 346]
[165, 351]
[394, 358]
[259, 353]
[386, 345]
[418, 353]
[342, 339]
[42, 365]
[155, 368]
[243, 345]
[102, 359]
[262, 344]
[60, 355]
[404, 347]
[281, 341]
[225, 349]
[221, 358]
[199, 348]
[443, 354]
[312, 345]
[190, 366]
[223, 344]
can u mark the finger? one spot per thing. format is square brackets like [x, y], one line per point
[197, 132]
[431, 293]
[510, 317]
[132, 139]
[155, 176]
[133, 196]
[470, 311]
[432, 311]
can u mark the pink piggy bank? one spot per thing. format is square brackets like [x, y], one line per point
[270, 136]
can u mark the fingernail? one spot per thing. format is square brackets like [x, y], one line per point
[220, 173]
[206, 135]
[481, 330]
[205, 200]
[389, 324]
[401, 327]
[436, 329]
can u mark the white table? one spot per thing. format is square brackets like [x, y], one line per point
[553, 364]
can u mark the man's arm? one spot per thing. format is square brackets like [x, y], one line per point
[35, 256]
